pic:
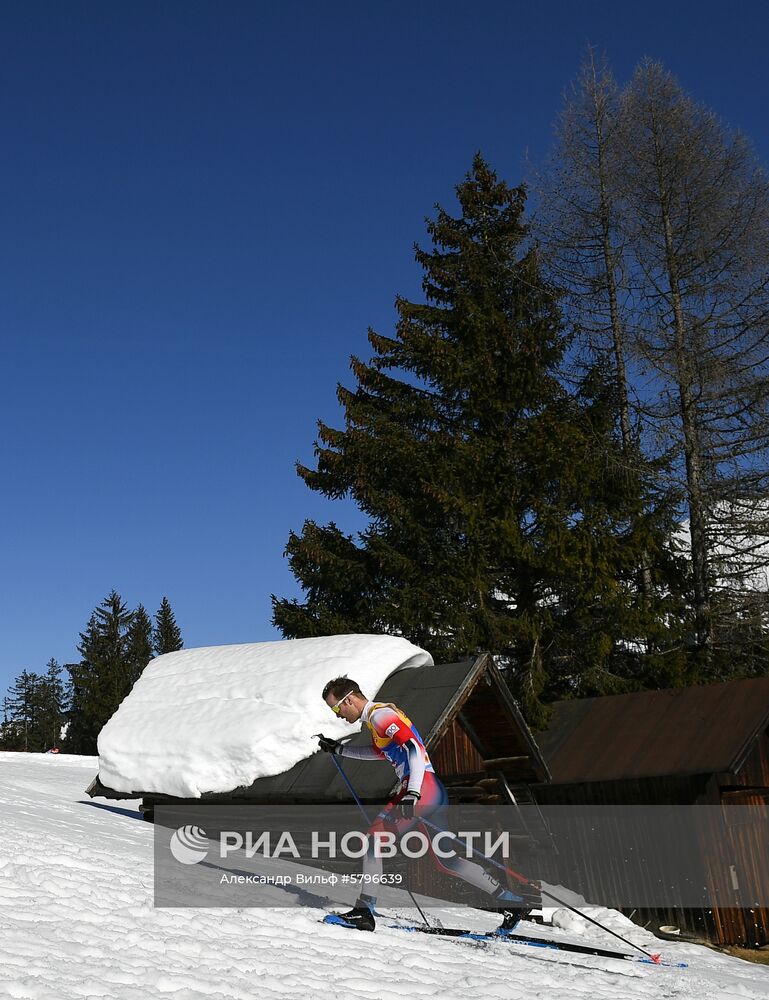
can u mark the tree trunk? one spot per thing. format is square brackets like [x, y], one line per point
[688, 413]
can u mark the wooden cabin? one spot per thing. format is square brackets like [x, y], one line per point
[475, 734]
[705, 745]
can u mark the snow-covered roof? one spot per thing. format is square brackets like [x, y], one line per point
[218, 717]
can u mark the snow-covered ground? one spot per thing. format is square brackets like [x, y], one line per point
[77, 920]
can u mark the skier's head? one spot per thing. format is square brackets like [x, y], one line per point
[345, 698]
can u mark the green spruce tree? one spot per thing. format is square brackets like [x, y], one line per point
[21, 711]
[167, 636]
[102, 678]
[497, 500]
[51, 699]
[138, 644]
[7, 727]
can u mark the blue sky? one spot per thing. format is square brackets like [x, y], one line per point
[204, 207]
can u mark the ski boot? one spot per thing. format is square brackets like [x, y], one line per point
[511, 919]
[359, 917]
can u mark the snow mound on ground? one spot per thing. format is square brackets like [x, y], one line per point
[576, 925]
[216, 718]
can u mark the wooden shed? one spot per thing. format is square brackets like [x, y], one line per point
[477, 738]
[705, 745]
[475, 734]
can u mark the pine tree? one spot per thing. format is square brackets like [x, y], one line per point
[8, 732]
[22, 706]
[579, 225]
[498, 507]
[167, 636]
[102, 678]
[51, 706]
[138, 645]
[656, 221]
[583, 226]
[697, 219]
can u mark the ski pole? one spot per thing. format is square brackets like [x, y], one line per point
[350, 788]
[359, 804]
[544, 892]
[516, 875]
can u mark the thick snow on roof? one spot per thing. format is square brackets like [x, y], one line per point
[216, 718]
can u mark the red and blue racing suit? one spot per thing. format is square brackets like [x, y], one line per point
[396, 739]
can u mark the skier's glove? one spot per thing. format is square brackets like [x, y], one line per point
[405, 807]
[328, 745]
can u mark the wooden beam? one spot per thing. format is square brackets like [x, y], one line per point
[458, 699]
[744, 790]
[472, 734]
[498, 763]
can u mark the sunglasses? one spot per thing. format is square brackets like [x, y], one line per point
[335, 708]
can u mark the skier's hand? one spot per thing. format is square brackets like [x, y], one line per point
[329, 746]
[405, 807]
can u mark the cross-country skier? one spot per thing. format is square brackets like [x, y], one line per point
[395, 738]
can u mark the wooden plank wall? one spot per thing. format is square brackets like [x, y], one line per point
[607, 880]
[747, 851]
[455, 754]
[723, 925]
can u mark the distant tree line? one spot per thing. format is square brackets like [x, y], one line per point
[42, 711]
[563, 449]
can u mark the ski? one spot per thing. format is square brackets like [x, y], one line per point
[536, 942]
[524, 940]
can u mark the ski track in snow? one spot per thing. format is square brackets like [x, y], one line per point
[77, 921]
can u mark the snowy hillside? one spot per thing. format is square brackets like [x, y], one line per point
[77, 921]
